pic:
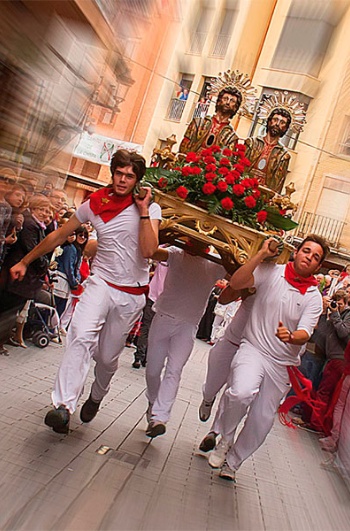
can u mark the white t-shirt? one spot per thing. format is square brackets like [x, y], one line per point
[187, 286]
[235, 329]
[277, 300]
[118, 258]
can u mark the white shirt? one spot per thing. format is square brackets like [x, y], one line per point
[277, 300]
[187, 286]
[118, 258]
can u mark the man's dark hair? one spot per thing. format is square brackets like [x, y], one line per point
[339, 295]
[316, 239]
[281, 112]
[233, 91]
[123, 158]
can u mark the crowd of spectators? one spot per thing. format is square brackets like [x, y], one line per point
[27, 214]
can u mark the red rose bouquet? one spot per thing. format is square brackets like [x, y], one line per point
[218, 180]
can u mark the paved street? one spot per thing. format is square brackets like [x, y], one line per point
[55, 482]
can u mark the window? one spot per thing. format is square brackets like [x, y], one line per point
[258, 128]
[179, 99]
[201, 30]
[225, 29]
[344, 147]
[306, 35]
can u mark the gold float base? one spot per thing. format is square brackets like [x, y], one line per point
[237, 242]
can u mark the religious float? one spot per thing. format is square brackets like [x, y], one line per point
[213, 197]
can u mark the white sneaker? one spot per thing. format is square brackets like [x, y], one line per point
[63, 331]
[227, 473]
[205, 410]
[218, 455]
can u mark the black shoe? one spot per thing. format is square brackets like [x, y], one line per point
[209, 442]
[89, 410]
[143, 363]
[58, 419]
[154, 429]
[136, 364]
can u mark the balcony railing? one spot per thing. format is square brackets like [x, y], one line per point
[328, 228]
[201, 110]
[175, 110]
[221, 45]
[197, 43]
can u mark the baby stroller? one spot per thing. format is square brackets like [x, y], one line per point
[42, 324]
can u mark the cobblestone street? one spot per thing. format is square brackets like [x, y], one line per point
[55, 482]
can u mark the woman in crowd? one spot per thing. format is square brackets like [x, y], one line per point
[16, 293]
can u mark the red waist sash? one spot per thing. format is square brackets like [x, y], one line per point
[133, 290]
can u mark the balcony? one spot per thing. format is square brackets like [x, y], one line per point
[197, 43]
[175, 110]
[329, 228]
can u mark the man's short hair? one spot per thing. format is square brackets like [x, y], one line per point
[123, 158]
[233, 91]
[339, 295]
[281, 112]
[321, 242]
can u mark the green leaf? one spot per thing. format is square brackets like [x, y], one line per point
[280, 222]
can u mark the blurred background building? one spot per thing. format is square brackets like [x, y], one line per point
[81, 78]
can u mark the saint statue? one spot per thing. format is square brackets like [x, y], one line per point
[269, 158]
[234, 94]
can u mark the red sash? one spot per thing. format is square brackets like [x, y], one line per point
[134, 290]
[301, 283]
[106, 204]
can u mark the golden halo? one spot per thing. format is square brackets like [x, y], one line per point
[242, 83]
[282, 100]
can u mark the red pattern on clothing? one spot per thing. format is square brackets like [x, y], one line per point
[106, 204]
[301, 283]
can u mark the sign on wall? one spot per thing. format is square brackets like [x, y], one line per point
[99, 149]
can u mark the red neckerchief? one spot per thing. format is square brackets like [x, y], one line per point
[301, 283]
[106, 204]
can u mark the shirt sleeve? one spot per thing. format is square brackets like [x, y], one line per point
[84, 212]
[155, 211]
[311, 313]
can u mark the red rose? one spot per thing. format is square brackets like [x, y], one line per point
[224, 162]
[209, 160]
[254, 182]
[249, 201]
[162, 183]
[227, 152]
[229, 178]
[215, 149]
[208, 188]
[246, 183]
[238, 189]
[191, 157]
[210, 176]
[227, 203]
[261, 216]
[182, 192]
[196, 170]
[223, 171]
[210, 167]
[235, 174]
[206, 152]
[222, 186]
[241, 148]
[239, 167]
[186, 170]
[245, 161]
[256, 194]
[283, 212]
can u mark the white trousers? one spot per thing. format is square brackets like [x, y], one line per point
[258, 383]
[99, 327]
[170, 343]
